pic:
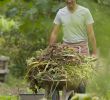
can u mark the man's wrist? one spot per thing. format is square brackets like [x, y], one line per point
[94, 54]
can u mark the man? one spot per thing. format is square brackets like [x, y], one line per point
[77, 24]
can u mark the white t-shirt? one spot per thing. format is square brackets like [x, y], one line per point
[74, 24]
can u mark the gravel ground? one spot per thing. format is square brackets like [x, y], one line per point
[12, 90]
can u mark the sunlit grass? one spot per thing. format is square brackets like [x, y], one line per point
[8, 98]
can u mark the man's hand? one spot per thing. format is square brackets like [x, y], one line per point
[94, 55]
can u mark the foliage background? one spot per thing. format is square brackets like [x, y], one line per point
[25, 27]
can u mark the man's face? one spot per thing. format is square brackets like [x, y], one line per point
[70, 3]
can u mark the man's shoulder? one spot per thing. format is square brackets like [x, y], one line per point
[62, 10]
[82, 8]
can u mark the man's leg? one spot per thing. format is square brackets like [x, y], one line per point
[56, 95]
[81, 88]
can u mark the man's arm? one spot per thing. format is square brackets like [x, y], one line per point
[54, 33]
[91, 38]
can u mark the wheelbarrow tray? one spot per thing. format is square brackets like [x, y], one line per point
[59, 84]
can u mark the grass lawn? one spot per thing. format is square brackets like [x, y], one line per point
[9, 98]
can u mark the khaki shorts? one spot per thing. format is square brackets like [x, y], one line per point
[80, 47]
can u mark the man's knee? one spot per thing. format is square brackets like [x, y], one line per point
[81, 88]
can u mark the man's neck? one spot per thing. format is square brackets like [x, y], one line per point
[72, 9]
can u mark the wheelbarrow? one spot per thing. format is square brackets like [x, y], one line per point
[53, 86]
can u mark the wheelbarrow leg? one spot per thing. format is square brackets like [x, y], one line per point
[49, 95]
[64, 94]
